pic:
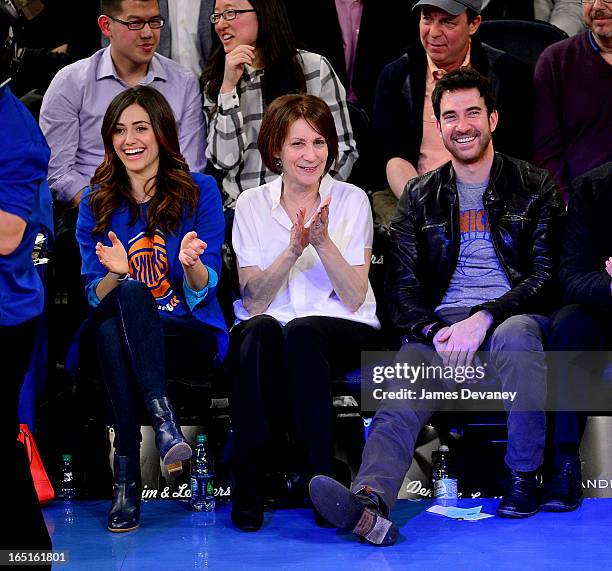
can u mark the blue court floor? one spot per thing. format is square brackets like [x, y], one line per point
[173, 538]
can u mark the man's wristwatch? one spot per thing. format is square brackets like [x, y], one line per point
[120, 277]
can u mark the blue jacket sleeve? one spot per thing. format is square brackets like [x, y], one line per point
[209, 224]
[92, 271]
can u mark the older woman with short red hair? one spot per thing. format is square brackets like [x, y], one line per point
[303, 244]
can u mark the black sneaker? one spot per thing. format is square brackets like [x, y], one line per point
[521, 496]
[564, 492]
[364, 513]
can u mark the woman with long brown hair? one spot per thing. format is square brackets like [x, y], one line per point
[150, 235]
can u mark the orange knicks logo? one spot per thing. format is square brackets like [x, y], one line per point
[148, 261]
[474, 222]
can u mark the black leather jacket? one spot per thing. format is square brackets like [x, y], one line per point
[525, 214]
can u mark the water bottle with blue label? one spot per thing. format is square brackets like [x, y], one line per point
[202, 474]
[443, 476]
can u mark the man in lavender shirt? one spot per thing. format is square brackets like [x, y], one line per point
[75, 103]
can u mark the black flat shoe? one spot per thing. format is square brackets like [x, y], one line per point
[521, 497]
[247, 518]
[247, 494]
[364, 513]
[564, 492]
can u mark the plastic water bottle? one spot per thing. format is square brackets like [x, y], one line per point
[67, 489]
[443, 476]
[202, 473]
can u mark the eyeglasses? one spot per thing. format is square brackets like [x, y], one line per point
[227, 15]
[593, 1]
[135, 25]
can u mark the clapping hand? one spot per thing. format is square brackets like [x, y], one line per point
[318, 228]
[191, 249]
[299, 235]
[113, 257]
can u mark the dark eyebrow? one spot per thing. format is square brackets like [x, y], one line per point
[119, 124]
[452, 111]
[132, 17]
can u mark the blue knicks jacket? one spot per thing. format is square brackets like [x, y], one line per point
[207, 221]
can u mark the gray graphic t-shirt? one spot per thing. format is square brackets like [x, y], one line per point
[479, 276]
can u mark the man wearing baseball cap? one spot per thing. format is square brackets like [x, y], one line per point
[403, 121]
[453, 7]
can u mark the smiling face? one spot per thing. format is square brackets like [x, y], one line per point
[242, 30]
[465, 128]
[303, 154]
[445, 37]
[598, 17]
[135, 143]
[132, 47]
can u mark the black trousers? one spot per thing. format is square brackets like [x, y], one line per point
[575, 328]
[295, 362]
[25, 527]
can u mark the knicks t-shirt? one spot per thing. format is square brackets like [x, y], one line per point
[479, 276]
[148, 263]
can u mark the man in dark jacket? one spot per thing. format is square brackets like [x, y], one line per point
[583, 325]
[472, 251]
[403, 122]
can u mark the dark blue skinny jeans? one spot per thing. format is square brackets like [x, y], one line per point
[130, 337]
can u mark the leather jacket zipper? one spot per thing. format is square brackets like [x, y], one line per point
[487, 208]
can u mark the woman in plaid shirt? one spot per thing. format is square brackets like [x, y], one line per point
[256, 62]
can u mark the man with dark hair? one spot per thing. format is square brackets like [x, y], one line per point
[466, 81]
[25, 205]
[75, 102]
[472, 253]
[573, 82]
[403, 122]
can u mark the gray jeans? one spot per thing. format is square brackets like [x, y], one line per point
[389, 449]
